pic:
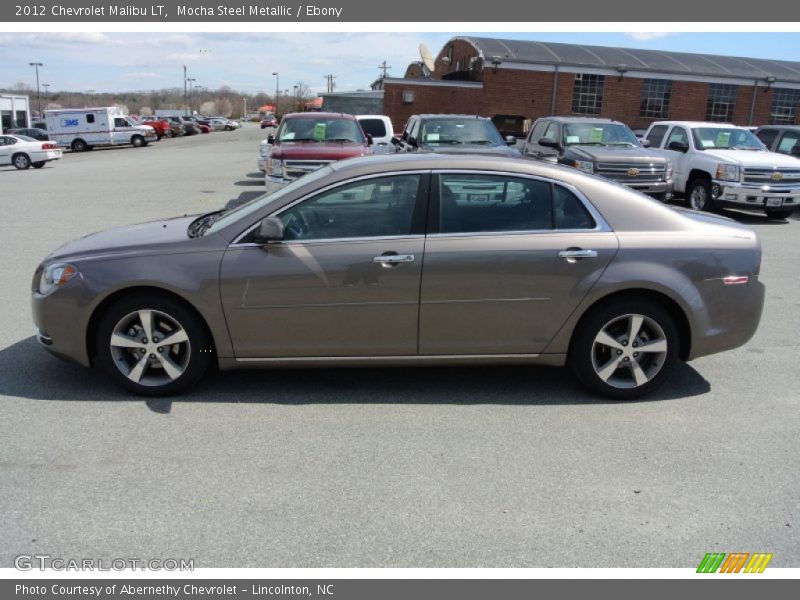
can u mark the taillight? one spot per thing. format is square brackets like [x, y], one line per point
[49, 146]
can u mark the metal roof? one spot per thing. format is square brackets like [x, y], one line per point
[655, 61]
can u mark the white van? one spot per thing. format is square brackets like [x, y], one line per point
[83, 128]
[381, 130]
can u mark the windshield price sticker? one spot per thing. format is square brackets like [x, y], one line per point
[319, 131]
[596, 136]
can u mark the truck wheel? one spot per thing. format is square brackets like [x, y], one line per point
[699, 194]
[79, 146]
[137, 141]
[21, 161]
[781, 213]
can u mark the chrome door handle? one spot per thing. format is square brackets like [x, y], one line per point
[393, 259]
[573, 254]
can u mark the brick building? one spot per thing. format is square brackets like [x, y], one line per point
[515, 82]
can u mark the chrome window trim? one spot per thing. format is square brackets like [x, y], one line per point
[377, 238]
[311, 195]
[601, 225]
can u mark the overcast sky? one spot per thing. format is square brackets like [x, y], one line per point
[113, 62]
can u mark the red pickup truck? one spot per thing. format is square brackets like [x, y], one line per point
[305, 142]
[161, 126]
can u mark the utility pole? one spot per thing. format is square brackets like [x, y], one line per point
[46, 87]
[277, 91]
[38, 95]
[330, 79]
[384, 67]
[185, 99]
[191, 80]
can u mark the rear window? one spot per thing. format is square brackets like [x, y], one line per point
[373, 127]
[656, 135]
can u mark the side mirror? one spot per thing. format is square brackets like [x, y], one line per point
[549, 143]
[396, 141]
[511, 140]
[678, 146]
[270, 139]
[795, 151]
[412, 141]
[369, 139]
[645, 143]
[270, 230]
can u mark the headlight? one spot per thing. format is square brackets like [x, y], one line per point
[728, 172]
[274, 167]
[584, 165]
[56, 275]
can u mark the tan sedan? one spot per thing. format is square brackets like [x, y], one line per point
[409, 260]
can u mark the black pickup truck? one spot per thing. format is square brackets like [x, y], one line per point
[603, 147]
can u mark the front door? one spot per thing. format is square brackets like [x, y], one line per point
[345, 280]
[512, 259]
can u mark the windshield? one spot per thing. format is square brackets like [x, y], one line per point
[442, 132]
[726, 138]
[256, 204]
[320, 130]
[600, 134]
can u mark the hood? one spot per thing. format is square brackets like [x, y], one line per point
[626, 154]
[318, 150]
[754, 158]
[144, 237]
[502, 150]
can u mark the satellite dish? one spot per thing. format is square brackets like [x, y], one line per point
[427, 60]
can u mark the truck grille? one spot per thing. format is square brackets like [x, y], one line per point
[298, 168]
[632, 173]
[773, 177]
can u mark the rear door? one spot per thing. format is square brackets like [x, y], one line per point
[508, 260]
[344, 281]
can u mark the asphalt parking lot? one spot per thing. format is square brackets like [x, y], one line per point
[450, 467]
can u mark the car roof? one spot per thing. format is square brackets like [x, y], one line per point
[579, 120]
[699, 124]
[319, 115]
[780, 127]
[448, 116]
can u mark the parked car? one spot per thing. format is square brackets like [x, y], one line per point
[31, 132]
[524, 263]
[719, 164]
[222, 124]
[380, 129]
[24, 152]
[307, 141]
[269, 122]
[603, 147]
[454, 134]
[784, 139]
[162, 126]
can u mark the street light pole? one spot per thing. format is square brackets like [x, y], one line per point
[46, 87]
[191, 98]
[296, 107]
[36, 65]
[277, 91]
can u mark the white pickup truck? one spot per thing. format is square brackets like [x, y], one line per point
[719, 164]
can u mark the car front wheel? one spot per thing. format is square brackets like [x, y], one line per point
[699, 194]
[625, 349]
[152, 345]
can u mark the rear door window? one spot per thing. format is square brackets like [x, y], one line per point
[374, 127]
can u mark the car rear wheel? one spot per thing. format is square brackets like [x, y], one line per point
[22, 162]
[779, 214]
[699, 194]
[625, 349]
[38, 164]
[152, 346]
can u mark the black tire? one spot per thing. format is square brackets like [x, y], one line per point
[659, 197]
[79, 146]
[778, 213]
[21, 161]
[138, 141]
[38, 164]
[587, 357]
[698, 194]
[193, 357]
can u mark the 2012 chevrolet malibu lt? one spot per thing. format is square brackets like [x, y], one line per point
[409, 260]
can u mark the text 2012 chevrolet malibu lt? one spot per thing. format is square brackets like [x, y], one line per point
[409, 260]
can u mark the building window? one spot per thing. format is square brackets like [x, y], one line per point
[587, 95]
[655, 98]
[784, 106]
[721, 102]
